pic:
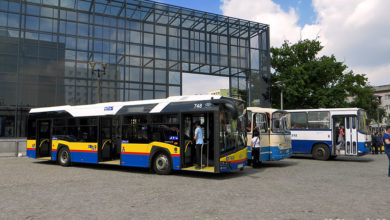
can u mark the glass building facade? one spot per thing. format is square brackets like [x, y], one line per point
[46, 47]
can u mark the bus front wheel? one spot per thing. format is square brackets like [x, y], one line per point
[162, 164]
[321, 152]
[64, 157]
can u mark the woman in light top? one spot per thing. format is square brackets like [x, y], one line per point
[256, 149]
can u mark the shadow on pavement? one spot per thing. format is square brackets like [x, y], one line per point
[337, 159]
[248, 171]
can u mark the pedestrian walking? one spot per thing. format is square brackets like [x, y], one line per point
[386, 141]
[376, 143]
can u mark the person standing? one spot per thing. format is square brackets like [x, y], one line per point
[375, 143]
[340, 139]
[199, 144]
[256, 149]
[386, 142]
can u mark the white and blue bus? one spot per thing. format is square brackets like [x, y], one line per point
[316, 131]
[275, 138]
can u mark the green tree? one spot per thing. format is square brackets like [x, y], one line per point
[312, 81]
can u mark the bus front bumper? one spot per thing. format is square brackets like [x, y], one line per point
[279, 154]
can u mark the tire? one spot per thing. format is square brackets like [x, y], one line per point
[321, 152]
[162, 164]
[63, 157]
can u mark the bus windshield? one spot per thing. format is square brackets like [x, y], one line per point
[280, 122]
[362, 120]
[231, 130]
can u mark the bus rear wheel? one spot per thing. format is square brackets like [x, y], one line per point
[162, 164]
[321, 152]
[64, 157]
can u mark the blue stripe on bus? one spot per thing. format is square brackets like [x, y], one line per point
[362, 150]
[176, 163]
[84, 157]
[133, 160]
[293, 129]
[54, 155]
[305, 146]
[233, 166]
[31, 153]
[271, 153]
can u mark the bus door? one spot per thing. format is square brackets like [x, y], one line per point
[187, 135]
[43, 148]
[261, 125]
[351, 135]
[109, 139]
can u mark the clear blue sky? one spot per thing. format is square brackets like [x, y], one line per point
[303, 7]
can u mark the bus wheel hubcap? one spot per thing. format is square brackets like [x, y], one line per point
[64, 156]
[162, 162]
[320, 152]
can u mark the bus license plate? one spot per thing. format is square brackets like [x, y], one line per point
[240, 166]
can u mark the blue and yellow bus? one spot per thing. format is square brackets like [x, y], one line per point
[273, 127]
[156, 134]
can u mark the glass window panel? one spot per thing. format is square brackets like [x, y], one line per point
[82, 44]
[135, 74]
[148, 51]
[67, 3]
[71, 15]
[70, 54]
[255, 59]
[13, 20]
[298, 120]
[32, 23]
[161, 53]
[82, 29]
[135, 61]
[71, 28]
[50, 2]
[160, 94]
[82, 56]
[148, 95]
[174, 78]
[46, 24]
[319, 120]
[46, 12]
[98, 32]
[161, 76]
[70, 43]
[32, 10]
[174, 90]
[135, 37]
[148, 38]
[83, 17]
[112, 47]
[148, 75]
[121, 35]
[3, 19]
[134, 95]
[98, 46]
[161, 40]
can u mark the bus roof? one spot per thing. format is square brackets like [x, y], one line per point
[326, 109]
[259, 109]
[111, 108]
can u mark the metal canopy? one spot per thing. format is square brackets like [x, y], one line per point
[150, 11]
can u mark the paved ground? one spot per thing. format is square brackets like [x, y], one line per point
[297, 188]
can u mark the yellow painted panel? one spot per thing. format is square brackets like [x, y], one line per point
[75, 146]
[236, 157]
[31, 144]
[204, 169]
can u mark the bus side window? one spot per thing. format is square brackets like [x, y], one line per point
[298, 120]
[261, 122]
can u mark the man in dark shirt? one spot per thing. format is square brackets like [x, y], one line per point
[386, 142]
